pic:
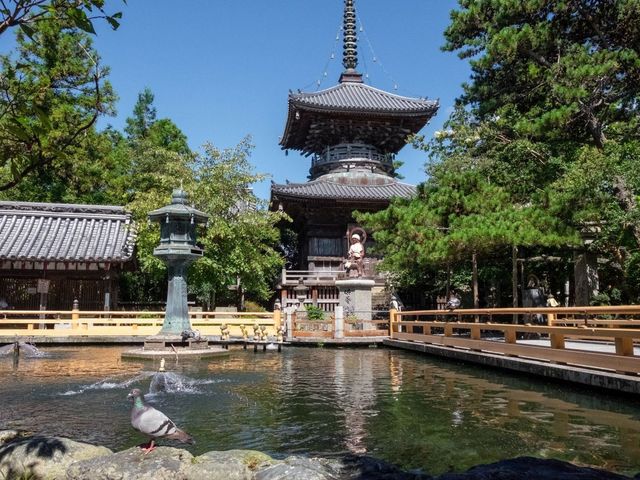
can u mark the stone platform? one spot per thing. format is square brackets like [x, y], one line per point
[158, 346]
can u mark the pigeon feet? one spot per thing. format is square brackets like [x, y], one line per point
[147, 448]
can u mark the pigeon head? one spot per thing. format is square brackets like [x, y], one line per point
[135, 393]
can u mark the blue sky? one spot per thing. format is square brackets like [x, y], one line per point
[222, 69]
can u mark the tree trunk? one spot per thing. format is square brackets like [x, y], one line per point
[476, 295]
[514, 280]
[627, 201]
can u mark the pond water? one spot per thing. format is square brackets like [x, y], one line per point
[410, 410]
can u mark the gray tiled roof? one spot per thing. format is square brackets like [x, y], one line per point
[353, 96]
[65, 232]
[323, 189]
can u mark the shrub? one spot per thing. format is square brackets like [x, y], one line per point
[314, 313]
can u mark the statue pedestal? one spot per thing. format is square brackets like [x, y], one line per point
[355, 299]
[164, 343]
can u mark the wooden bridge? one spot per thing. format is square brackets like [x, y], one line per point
[596, 338]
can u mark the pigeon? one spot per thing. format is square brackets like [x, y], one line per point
[453, 303]
[154, 423]
[187, 334]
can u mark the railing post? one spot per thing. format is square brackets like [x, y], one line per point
[75, 314]
[475, 332]
[338, 329]
[448, 329]
[392, 320]
[624, 346]
[510, 335]
[557, 340]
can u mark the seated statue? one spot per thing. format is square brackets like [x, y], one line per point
[355, 257]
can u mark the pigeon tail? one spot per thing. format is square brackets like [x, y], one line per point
[182, 436]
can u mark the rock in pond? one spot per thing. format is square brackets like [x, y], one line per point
[163, 463]
[530, 468]
[44, 458]
[228, 465]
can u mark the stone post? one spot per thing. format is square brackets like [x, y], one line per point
[75, 314]
[289, 321]
[338, 329]
[277, 316]
[355, 298]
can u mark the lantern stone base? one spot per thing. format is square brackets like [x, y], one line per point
[169, 342]
[172, 346]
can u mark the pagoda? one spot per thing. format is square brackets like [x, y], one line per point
[352, 132]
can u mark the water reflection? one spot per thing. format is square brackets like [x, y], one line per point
[404, 408]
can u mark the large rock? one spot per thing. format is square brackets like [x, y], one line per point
[530, 468]
[163, 463]
[44, 458]
[228, 465]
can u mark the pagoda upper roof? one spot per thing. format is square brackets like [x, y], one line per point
[353, 111]
[359, 97]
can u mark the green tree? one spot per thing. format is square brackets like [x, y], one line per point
[563, 76]
[26, 14]
[242, 235]
[144, 115]
[52, 94]
[548, 122]
[560, 80]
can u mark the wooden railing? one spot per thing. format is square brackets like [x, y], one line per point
[597, 329]
[59, 323]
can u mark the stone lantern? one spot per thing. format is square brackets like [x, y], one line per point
[178, 222]
[301, 295]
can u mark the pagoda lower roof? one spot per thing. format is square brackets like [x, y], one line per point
[353, 109]
[46, 232]
[375, 188]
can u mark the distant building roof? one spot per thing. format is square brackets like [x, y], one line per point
[336, 187]
[65, 232]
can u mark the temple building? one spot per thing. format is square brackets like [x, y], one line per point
[352, 133]
[52, 254]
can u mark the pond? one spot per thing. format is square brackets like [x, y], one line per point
[410, 410]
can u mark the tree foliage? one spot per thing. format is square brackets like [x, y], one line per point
[52, 93]
[543, 141]
[26, 14]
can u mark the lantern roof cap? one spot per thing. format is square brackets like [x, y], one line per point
[178, 208]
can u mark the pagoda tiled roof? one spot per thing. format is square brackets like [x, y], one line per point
[331, 190]
[60, 232]
[359, 97]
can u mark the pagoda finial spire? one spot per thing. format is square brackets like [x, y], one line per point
[350, 53]
[350, 48]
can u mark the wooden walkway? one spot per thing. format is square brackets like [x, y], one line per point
[597, 346]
